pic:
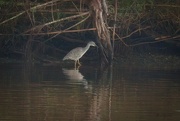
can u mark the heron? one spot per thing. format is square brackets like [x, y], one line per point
[76, 53]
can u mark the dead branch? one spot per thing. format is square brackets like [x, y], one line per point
[35, 7]
[158, 39]
[60, 32]
[59, 20]
[139, 29]
[70, 27]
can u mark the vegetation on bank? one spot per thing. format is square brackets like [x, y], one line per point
[40, 30]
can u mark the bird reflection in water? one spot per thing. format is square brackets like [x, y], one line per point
[75, 77]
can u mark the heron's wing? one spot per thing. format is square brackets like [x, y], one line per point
[74, 54]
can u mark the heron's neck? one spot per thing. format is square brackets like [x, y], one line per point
[86, 48]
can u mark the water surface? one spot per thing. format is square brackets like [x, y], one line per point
[52, 93]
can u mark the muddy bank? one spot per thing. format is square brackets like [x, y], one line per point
[149, 61]
[135, 60]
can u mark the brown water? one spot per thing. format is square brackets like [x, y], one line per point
[52, 93]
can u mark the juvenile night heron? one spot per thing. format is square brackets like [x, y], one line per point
[76, 53]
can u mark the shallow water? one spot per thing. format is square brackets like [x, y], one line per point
[53, 93]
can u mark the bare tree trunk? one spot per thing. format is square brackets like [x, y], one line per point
[99, 13]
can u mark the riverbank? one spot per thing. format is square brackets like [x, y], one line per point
[150, 61]
[134, 60]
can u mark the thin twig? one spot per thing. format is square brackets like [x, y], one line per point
[52, 22]
[35, 7]
[136, 31]
[12, 18]
[69, 27]
[159, 39]
[114, 27]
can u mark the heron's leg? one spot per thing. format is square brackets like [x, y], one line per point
[78, 62]
[75, 64]
[77, 68]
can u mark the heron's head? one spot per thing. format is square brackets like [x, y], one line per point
[91, 43]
